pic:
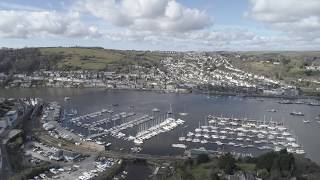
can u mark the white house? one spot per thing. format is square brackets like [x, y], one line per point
[11, 116]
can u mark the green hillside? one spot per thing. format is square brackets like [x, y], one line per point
[99, 58]
[288, 66]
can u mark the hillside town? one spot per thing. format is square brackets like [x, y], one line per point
[186, 73]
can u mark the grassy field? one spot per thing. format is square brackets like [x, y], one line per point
[98, 58]
[246, 167]
[279, 65]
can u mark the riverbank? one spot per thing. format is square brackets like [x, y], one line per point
[183, 91]
[214, 93]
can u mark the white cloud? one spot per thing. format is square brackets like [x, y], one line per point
[294, 16]
[24, 24]
[223, 39]
[147, 15]
[167, 24]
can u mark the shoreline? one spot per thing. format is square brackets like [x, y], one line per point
[177, 91]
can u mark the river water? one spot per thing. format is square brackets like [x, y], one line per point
[197, 105]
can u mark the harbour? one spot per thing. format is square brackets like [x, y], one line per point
[240, 109]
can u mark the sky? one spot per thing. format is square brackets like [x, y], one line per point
[179, 25]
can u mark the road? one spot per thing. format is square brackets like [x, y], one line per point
[118, 155]
[6, 170]
[5, 167]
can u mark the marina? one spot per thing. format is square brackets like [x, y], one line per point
[245, 133]
[104, 123]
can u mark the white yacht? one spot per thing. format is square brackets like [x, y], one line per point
[219, 143]
[196, 140]
[138, 141]
[203, 141]
[206, 136]
[215, 136]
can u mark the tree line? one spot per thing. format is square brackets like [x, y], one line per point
[26, 60]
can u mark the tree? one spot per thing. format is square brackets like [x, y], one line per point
[188, 163]
[203, 158]
[227, 163]
[263, 173]
[286, 163]
[214, 175]
[266, 161]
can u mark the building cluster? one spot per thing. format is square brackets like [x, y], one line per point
[13, 109]
[313, 68]
[216, 71]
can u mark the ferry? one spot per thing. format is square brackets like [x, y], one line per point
[306, 121]
[298, 102]
[272, 110]
[294, 113]
[182, 146]
[314, 104]
[285, 102]
[155, 110]
[100, 143]
[184, 113]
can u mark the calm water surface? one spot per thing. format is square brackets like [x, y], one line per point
[197, 105]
